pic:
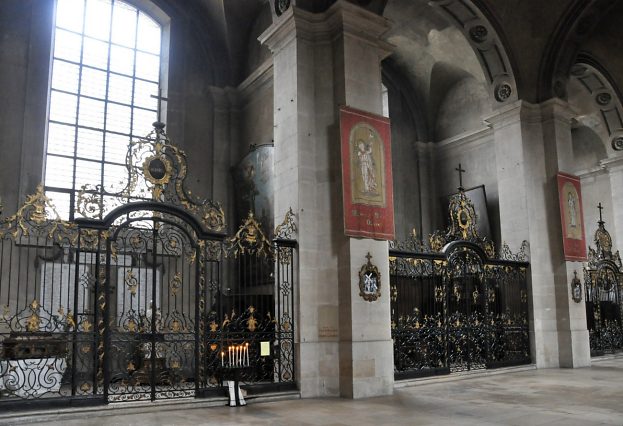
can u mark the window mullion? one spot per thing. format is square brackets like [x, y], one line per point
[73, 180]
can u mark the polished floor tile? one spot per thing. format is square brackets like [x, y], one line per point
[565, 397]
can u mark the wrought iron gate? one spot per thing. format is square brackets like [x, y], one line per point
[142, 298]
[603, 283]
[454, 306]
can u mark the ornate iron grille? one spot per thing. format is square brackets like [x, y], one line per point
[603, 283]
[454, 306]
[48, 324]
[255, 310]
[142, 298]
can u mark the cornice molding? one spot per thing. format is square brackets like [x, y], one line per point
[262, 76]
[512, 113]
[341, 19]
[466, 140]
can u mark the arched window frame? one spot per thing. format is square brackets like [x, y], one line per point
[85, 151]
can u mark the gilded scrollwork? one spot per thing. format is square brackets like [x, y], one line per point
[33, 219]
[156, 171]
[603, 284]
[249, 239]
[287, 229]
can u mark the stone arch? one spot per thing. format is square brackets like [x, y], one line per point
[606, 97]
[482, 32]
[575, 26]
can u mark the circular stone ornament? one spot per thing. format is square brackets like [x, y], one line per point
[478, 33]
[617, 143]
[603, 98]
[281, 6]
[503, 92]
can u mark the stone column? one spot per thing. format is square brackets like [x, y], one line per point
[322, 61]
[532, 144]
[573, 338]
[225, 147]
[427, 200]
[614, 166]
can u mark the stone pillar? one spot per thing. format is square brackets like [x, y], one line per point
[614, 166]
[225, 147]
[427, 200]
[321, 61]
[573, 338]
[532, 144]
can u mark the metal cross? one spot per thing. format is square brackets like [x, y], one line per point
[160, 99]
[368, 256]
[460, 170]
[600, 207]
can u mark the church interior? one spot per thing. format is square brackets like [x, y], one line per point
[314, 198]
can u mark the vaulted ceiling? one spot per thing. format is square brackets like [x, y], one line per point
[539, 37]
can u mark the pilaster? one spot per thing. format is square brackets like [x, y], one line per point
[614, 167]
[322, 61]
[533, 143]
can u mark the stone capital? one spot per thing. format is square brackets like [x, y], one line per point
[613, 165]
[515, 112]
[557, 109]
[342, 18]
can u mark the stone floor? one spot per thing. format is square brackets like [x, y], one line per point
[588, 396]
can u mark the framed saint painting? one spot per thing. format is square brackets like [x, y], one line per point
[570, 200]
[366, 175]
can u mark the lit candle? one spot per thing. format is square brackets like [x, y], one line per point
[222, 358]
[229, 354]
[239, 352]
[246, 349]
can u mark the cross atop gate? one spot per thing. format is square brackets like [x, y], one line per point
[461, 171]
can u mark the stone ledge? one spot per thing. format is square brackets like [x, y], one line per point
[462, 376]
[136, 407]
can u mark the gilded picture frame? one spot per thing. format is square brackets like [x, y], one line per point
[369, 281]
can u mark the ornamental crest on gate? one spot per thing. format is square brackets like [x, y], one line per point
[156, 170]
[463, 223]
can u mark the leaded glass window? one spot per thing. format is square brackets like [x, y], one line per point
[106, 69]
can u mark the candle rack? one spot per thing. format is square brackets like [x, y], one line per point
[237, 356]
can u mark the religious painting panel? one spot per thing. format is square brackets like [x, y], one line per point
[366, 175]
[253, 180]
[570, 200]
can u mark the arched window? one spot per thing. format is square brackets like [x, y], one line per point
[106, 70]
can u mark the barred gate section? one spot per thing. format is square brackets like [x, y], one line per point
[458, 313]
[143, 297]
[49, 339]
[454, 306]
[603, 284]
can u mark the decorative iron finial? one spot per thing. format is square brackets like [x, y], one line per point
[461, 171]
[603, 242]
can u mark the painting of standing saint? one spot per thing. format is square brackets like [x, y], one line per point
[570, 201]
[366, 175]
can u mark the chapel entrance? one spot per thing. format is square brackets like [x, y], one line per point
[144, 297]
[153, 343]
[454, 305]
[603, 284]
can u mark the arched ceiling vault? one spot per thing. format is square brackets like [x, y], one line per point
[580, 21]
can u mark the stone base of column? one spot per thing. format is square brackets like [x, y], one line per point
[366, 369]
[319, 369]
[544, 346]
[575, 352]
